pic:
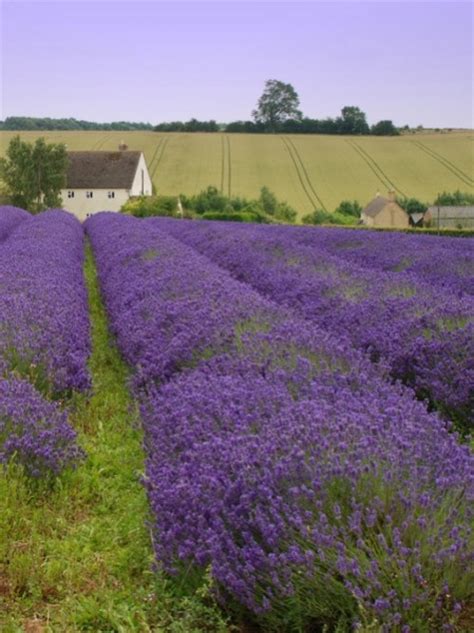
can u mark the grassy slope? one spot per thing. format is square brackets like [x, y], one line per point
[299, 168]
[78, 558]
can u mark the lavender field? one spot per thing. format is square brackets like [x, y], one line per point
[304, 406]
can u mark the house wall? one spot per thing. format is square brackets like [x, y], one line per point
[367, 219]
[392, 216]
[82, 206]
[139, 187]
[450, 218]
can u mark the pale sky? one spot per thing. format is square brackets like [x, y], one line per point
[159, 61]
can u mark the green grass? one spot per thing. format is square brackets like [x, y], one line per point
[305, 170]
[78, 557]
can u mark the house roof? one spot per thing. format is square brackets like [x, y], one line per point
[375, 206]
[102, 170]
[452, 212]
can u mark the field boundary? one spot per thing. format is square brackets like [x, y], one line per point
[467, 180]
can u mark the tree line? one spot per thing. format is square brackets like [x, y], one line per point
[277, 110]
[23, 123]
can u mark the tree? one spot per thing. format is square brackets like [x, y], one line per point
[34, 174]
[353, 121]
[412, 205]
[278, 103]
[352, 209]
[272, 207]
[384, 128]
[455, 199]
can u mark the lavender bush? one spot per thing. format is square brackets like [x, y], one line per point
[424, 332]
[10, 218]
[34, 432]
[44, 324]
[279, 459]
[445, 262]
[343, 505]
[44, 340]
[171, 307]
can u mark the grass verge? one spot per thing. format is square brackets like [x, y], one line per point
[78, 557]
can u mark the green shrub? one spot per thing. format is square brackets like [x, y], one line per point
[348, 208]
[150, 206]
[265, 209]
[239, 216]
[319, 216]
[271, 206]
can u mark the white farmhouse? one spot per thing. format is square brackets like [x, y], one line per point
[104, 181]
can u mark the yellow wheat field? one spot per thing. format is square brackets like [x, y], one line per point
[307, 171]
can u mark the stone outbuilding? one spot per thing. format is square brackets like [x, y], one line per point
[450, 217]
[385, 213]
[104, 181]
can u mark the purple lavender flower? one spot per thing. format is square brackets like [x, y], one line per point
[269, 438]
[422, 329]
[44, 323]
[10, 218]
[34, 432]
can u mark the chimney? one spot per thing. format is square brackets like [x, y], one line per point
[392, 195]
[123, 146]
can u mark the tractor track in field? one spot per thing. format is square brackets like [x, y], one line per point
[158, 160]
[229, 167]
[305, 171]
[467, 180]
[375, 167]
[100, 143]
[301, 173]
[155, 153]
[222, 163]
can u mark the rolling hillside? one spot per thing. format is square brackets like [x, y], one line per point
[305, 170]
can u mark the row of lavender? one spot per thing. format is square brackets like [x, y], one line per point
[279, 460]
[445, 262]
[44, 337]
[10, 218]
[424, 332]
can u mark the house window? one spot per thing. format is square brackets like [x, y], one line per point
[111, 194]
[89, 194]
[70, 194]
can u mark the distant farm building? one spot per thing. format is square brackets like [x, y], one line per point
[417, 219]
[385, 212]
[450, 217]
[104, 181]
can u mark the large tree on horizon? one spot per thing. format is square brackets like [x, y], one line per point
[353, 121]
[278, 103]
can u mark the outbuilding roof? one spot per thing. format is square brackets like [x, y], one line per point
[102, 170]
[374, 207]
[416, 217]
